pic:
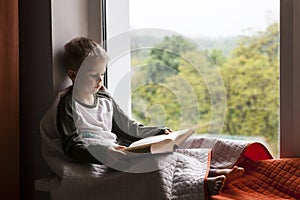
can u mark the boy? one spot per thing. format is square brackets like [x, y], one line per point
[92, 127]
[88, 118]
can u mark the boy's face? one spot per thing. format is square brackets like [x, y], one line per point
[89, 78]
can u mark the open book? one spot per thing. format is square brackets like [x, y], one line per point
[160, 143]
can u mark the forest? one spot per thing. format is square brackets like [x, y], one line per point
[229, 89]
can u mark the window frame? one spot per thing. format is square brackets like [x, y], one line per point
[289, 133]
[289, 82]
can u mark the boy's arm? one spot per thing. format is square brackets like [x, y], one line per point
[73, 144]
[129, 129]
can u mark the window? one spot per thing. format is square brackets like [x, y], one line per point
[246, 58]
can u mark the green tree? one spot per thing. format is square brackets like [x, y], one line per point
[216, 56]
[250, 77]
[165, 56]
[251, 82]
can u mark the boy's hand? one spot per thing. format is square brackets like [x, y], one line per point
[168, 131]
[115, 154]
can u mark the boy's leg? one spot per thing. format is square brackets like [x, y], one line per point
[217, 178]
[230, 174]
[215, 184]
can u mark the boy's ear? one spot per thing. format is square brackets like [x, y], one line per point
[72, 74]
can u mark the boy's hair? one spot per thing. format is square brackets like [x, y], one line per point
[78, 49]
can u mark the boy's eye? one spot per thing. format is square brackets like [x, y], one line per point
[96, 76]
[93, 75]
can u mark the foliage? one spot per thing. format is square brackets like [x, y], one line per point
[173, 90]
[251, 79]
[167, 54]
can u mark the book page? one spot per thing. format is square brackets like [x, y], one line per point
[163, 146]
[182, 135]
[150, 140]
[161, 143]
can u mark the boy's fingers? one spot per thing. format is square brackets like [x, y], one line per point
[120, 147]
[168, 131]
[118, 150]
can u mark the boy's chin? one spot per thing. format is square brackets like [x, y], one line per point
[96, 89]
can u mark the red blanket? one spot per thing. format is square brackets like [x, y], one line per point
[264, 179]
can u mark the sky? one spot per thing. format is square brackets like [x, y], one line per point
[213, 18]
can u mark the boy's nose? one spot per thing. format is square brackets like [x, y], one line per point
[99, 80]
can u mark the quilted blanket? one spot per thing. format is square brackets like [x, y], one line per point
[178, 175]
[265, 179]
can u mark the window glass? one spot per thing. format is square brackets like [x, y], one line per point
[208, 64]
[180, 48]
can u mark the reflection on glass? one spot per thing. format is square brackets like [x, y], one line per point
[239, 40]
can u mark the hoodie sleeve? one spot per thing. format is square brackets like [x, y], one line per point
[129, 130]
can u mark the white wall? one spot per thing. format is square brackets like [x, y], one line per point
[69, 20]
[72, 18]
